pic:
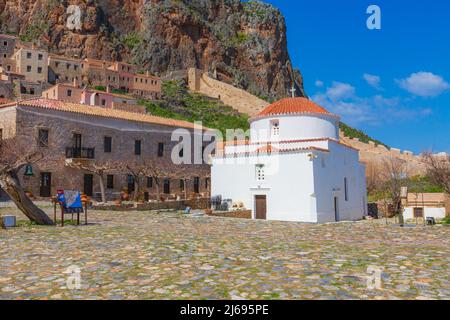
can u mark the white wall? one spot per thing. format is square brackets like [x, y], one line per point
[296, 127]
[341, 162]
[437, 213]
[289, 188]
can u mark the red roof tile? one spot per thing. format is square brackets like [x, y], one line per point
[100, 112]
[292, 106]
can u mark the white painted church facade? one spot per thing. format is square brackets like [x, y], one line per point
[293, 167]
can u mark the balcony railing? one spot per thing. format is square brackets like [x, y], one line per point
[80, 153]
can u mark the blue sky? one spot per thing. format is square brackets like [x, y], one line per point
[392, 83]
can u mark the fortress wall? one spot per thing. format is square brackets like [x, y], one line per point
[238, 99]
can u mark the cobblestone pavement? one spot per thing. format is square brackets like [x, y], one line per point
[145, 255]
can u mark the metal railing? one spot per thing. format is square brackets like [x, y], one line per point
[80, 153]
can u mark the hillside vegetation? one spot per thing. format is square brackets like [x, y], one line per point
[179, 103]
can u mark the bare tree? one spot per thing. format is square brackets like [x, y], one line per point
[100, 169]
[393, 173]
[15, 154]
[373, 177]
[438, 169]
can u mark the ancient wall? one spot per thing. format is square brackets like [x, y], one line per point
[238, 99]
[372, 153]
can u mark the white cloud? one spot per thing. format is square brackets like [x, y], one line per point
[319, 84]
[372, 80]
[340, 91]
[341, 99]
[424, 84]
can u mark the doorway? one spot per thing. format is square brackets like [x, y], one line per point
[88, 184]
[336, 209]
[46, 185]
[261, 207]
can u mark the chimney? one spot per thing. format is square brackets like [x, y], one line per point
[108, 89]
[75, 82]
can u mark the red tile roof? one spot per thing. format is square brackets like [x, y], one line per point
[292, 106]
[100, 112]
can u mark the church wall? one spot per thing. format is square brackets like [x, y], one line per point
[296, 127]
[288, 187]
[330, 169]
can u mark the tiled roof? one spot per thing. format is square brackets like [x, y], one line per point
[268, 151]
[5, 100]
[100, 112]
[292, 106]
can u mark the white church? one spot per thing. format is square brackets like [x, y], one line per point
[293, 167]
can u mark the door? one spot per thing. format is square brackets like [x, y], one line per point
[261, 207]
[46, 185]
[88, 184]
[418, 212]
[77, 145]
[130, 182]
[336, 209]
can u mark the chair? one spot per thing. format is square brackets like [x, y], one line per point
[77, 207]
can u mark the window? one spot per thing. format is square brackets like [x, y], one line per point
[206, 183]
[69, 92]
[56, 64]
[260, 174]
[39, 69]
[43, 138]
[5, 43]
[40, 56]
[28, 55]
[275, 128]
[68, 66]
[28, 68]
[137, 147]
[149, 182]
[160, 149]
[107, 144]
[110, 181]
[346, 188]
[103, 102]
[181, 185]
[197, 185]
[166, 185]
[31, 90]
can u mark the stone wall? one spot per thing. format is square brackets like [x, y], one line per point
[196, 204]
[238, 99]
[245, 214]
[62, 126]
[375, 154]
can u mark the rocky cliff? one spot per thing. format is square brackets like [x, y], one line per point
[242, 43]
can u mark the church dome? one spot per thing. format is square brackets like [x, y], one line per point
[294, 119]
[292, 106]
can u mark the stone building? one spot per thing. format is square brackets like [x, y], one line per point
[77, 132]
[75, 94]
[7, 46]
[32, 63]
[64, 70]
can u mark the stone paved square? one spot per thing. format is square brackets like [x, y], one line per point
[149, 255]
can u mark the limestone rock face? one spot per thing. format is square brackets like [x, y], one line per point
[243, 44]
